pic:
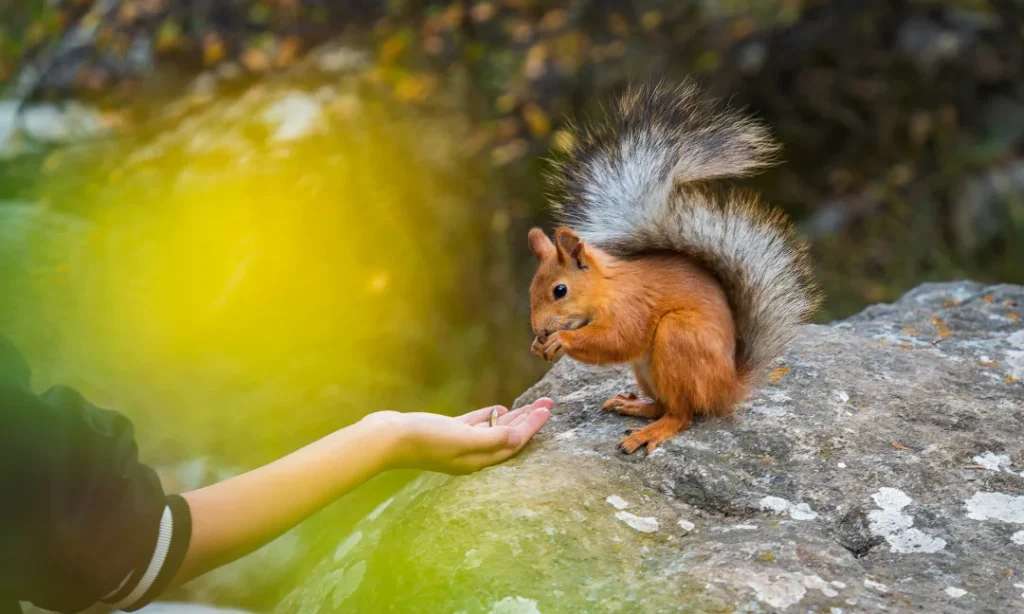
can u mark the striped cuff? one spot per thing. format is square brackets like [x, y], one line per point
[145, 584]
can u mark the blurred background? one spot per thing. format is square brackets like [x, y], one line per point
[247, 223]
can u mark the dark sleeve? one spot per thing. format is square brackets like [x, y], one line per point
[84, 521]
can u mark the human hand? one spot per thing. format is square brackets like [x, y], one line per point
[462, 444]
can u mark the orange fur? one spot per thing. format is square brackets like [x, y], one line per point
[661, 312]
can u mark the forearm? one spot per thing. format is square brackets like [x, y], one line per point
[236, 516]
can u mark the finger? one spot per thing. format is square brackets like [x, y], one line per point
[543, 402]
[511, 418]
[529, 409]
[481, 415]
[513, 415]
[518, 437]
[506, 417]
[510, 437]
[523, 431]
[516, 415]
[519, 418]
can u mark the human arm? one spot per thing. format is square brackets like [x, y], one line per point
[89, 523]
[236, 516]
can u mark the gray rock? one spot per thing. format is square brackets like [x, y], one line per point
[47, 124]
[883, 469]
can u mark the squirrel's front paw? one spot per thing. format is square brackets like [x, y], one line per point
[553, 347]
[537, 347]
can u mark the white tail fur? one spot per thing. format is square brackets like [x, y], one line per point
[638, 181]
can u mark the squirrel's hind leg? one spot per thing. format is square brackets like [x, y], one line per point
[655, 433]
[630, 405]
[665, 427]
[690, 370]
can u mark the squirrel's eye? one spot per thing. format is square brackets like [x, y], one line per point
[560, 291]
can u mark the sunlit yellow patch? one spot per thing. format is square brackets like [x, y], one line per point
[226, 282]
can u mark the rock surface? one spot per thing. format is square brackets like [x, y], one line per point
[882, 467]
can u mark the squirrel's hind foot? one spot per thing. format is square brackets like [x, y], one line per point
[630, 405]
[654, 434]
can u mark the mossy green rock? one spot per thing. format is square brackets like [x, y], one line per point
[880, 467]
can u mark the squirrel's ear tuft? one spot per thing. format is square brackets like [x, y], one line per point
[540, 244]
[570, 247]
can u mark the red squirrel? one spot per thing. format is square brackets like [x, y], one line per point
[699, 288]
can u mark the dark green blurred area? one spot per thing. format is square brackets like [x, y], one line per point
[900, 119]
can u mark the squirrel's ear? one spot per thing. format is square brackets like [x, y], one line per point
[540, 244]
[570, 247]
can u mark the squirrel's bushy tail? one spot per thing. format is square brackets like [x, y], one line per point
[637, 181]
